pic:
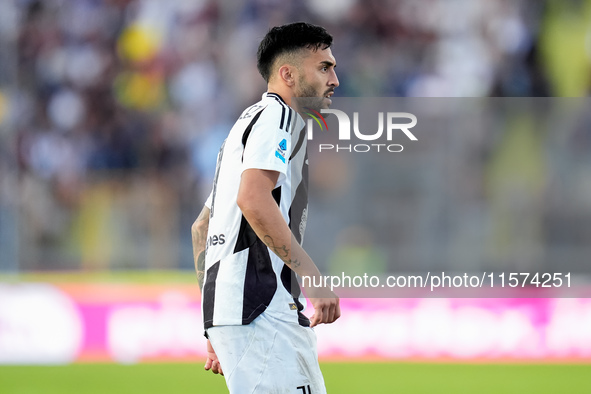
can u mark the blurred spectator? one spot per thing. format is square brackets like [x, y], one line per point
[116, 96]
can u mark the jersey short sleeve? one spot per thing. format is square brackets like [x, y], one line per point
[209, 199]
[268, 145]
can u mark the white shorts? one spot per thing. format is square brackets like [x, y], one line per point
[268, 356]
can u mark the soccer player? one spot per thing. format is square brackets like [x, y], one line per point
[245, 253]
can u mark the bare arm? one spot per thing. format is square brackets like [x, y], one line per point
[262, 213]
[199, 236]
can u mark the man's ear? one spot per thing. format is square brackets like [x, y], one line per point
[287, 74]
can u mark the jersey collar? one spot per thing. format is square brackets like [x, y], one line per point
[275, 96]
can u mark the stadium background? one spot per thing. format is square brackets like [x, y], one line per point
[112, 113]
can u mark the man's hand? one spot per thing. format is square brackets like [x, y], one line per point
[326, 306]
[212, 361]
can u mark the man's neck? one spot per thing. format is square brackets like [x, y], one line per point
[285, 94]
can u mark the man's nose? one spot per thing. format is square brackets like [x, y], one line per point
[334, 80]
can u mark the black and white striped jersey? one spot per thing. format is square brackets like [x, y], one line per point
[243, 277]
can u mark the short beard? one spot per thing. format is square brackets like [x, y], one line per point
[308, 97]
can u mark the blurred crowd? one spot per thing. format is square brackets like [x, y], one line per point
[112, 111]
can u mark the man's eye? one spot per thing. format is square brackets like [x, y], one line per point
[325, 68]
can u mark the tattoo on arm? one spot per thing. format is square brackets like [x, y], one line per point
[201, 269]
[281, 251]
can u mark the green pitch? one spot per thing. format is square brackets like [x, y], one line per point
[341, 378]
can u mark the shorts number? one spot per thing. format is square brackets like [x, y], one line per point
[303, 388]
